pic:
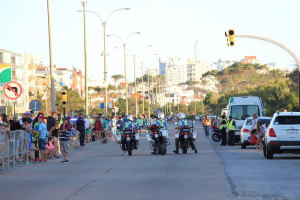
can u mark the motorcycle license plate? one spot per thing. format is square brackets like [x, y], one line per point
[128, 138]
[155, 135]
[186, 136]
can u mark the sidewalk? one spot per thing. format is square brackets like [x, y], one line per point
[99, 171]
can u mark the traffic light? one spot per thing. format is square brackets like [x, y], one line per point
[64, 97]
[230, 37]
[113, 106]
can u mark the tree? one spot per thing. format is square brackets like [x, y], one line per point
[117, 77]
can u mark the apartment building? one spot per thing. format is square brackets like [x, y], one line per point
[195, 70]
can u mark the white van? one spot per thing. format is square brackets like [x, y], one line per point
[242, 107]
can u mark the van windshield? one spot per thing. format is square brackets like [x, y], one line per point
[241, 112]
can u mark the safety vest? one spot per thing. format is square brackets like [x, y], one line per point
[127, 125]
[185, 122]
[223, 125]
[161, 123]
[60, 122]
[230, 126]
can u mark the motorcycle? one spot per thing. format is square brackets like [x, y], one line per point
[185, 135]
[216, 134]
[158, 139]
[131, 140]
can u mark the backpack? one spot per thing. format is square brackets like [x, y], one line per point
[119, 124]
[262, 130]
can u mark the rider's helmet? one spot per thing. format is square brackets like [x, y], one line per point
[161, 116]
[181, 116]
[130, 118]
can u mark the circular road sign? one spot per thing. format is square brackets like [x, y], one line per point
[12, 90]
[35, 105]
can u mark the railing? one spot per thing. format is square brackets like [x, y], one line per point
[13, 145]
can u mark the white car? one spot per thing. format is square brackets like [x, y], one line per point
[246, 130]
[282, 136]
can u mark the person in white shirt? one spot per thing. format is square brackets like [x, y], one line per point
[114, 126]
[87, 126]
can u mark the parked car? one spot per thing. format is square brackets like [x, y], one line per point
[246, 130]
[282, 136]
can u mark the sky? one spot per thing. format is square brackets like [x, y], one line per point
[171, 26]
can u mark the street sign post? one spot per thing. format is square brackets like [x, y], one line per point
[35, 105]
[12, 90]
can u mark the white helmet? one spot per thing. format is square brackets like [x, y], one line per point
[181, 116]
[130, 118]
[161, 116]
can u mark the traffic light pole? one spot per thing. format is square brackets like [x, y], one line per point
[64, 107]
[283, 47]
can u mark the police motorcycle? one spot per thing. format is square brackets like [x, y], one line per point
[216, 134]
[185, 136]
[158, 137]
[129, 139]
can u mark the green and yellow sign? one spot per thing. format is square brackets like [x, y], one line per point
[5, 75]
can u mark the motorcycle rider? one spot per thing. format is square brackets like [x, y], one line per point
[183, 122]
[128, 125]
[162, 123]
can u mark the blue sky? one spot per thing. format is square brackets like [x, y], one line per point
[171, 26]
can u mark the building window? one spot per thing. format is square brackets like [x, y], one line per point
[194, 69]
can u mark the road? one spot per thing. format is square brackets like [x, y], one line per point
[252, 177]
[99, 171]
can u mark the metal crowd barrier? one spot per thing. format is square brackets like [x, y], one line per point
[14, 145]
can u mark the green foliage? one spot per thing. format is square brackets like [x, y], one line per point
[277, 92]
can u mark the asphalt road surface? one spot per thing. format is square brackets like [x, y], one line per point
[99, 171]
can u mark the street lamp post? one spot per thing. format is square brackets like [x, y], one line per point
[104, 24]
[51, 58]
[124, 46]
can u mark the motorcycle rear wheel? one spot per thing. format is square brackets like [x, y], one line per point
[129, 148]
[185, 146]
[216, 137]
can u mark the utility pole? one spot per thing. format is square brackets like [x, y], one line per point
[143, 87]
[148, 94]
[51, 59]
[136, 108]
[105, 66]
[85, 61]
[126, 89]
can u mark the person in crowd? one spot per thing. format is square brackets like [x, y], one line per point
[54, 133]
[15, 125]
[207, 124]
[140, 124]
[27, 139]
[4, 133]
[87, 126]
[120, 125]
[65, 130]
[51, 149]
[125, 119]
[260, 134]
[35, 137]
[80, 126]
[231, 131]
[98, 128]
[42, 138]
[59, 119]
[51, 121]
[254, 124]
[223, 127]
[114, 126]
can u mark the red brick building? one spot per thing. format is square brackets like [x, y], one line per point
[78, 82]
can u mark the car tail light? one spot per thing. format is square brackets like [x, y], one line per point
[155, 132]
[272, 133]
[127, 135]
[246, 130]
[185, 133]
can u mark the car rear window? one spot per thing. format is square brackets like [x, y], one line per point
[263, 121]
[287, 120]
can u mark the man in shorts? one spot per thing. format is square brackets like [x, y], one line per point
[87, 126]
[65, 130]
[42, 138]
